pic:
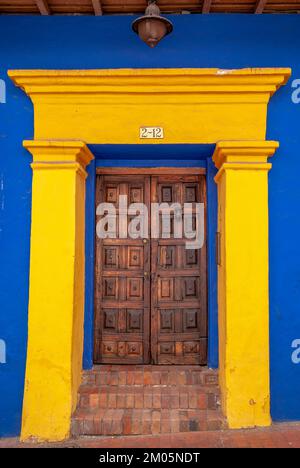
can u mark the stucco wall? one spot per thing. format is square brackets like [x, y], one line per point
[231, 41]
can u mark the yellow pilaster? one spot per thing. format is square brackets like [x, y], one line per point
[243, 292]
[56, 296]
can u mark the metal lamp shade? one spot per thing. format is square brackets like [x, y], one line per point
[152, 27]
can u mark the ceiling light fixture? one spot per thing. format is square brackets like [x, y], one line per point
[152, 27]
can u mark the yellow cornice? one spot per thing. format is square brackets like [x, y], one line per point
[110, 106]
[166, 81]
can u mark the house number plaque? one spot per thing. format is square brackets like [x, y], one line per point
[151, 132]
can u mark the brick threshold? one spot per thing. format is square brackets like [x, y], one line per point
[279, 435]
[127, 400]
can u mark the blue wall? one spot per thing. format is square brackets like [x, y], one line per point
[229, 41]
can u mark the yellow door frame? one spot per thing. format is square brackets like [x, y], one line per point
[75, 107]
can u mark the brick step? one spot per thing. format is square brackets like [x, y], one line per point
[150, 375]
[136, 400]
[87, 388]
[99, 422]
[159, 397]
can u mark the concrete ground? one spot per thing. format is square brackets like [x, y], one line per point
[277, 436]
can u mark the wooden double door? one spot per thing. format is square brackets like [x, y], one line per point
[150, 293]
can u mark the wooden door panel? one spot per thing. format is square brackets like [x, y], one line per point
[116, 257]
[122, 320]
[172, 256]
[122, 289]
[121, 352]
[178, 289]
[119, 289]
[182, 352]
[182, 320]
[179, 295]
[135, 257]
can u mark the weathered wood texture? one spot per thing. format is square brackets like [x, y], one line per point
[92, 7]
[127, 270]
[178, 296]
[122, 270]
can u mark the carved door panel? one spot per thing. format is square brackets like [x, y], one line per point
[122, 290]
[179, 295]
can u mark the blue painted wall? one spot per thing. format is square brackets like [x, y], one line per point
[229, 41]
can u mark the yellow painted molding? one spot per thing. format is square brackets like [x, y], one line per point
[59, 152]
[243, 152]
[67, 166]
[243, 155]
[241, 167]
[155, 80]
[110, 106]
[56, 290]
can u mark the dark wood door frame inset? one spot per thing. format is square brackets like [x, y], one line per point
[157, 329]
[150, 171]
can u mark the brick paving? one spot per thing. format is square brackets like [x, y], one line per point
[277, 436]
[133, 400]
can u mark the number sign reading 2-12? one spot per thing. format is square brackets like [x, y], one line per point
[151, 132]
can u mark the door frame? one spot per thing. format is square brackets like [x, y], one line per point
[148, 171]
[233, 105]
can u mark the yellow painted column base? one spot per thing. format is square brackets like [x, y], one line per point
[56, 294]
[243, 289]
